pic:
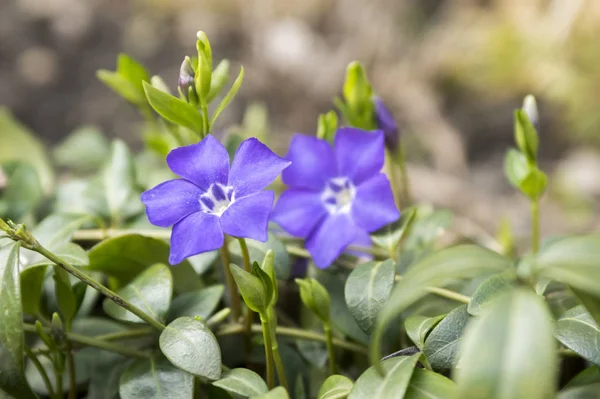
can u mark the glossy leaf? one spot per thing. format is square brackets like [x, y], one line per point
[335, 387]
[258, 250]
[121, 86]
[418, 327]
[252, 289]
[489, 289]
[190, 345]
[509, 351]
[425, 384]
[277, 393]
[367, 290]
[463, 261]
[591, 303]
[32, 279]
[12, 377]
[242, 382]
[574, 261]
[201, 303]
[173, 109]
[442, 344]
[154, 379]
[578, 331]
[315, 297]
[151, 291]
[126, 256]
[228, 97]
[372, 385]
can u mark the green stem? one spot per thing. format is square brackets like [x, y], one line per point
[205, 121]
[97, 286]
[268, 351]
[236, 307]
[218, 318]
[294, 333]
[391, 172]
[249, 314]
[95, 342]
[330, 351]
[58, 379]
[443, 292]
[279, 365]
[41, 370]
[72, 372]
[406, 190]
[133, 333]
[535, 225]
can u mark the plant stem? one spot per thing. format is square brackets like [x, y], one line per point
[294, 333]
[41, 370]
[249, 314]
[133, 333]
[535, 226]
[97, 286]
[205, 121]
[72, 372]
[406, 190]
[391, 172]
[443, 292]
[58, 379]
[264, 321]
[279, 365]
[95, 342]
[236, 307]
[330, 351]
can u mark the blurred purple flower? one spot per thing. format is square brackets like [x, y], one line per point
[211, 199]
[386, 122]
[336, 196]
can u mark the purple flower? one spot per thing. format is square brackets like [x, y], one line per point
[336, 196]
[211, 199]
[386, 122]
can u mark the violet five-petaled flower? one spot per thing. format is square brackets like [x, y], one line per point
[211, 199]
[386, 122]
[336, 196]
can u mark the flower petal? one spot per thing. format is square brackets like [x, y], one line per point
[330, 239]
[203, 163]
[363, 239]
[386, 122]
[249, 217]
[254, 167]
[359, 153]
[373, 206]
[313, 163]
[197, 233]
[171, 201]
[298, 211]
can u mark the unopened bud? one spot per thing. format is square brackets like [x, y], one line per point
[385, 121]
[186, 76]
[531, 110]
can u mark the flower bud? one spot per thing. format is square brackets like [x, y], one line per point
[385, 121]
[186, 77]
[531, 110]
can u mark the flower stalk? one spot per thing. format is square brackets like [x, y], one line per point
[330, 350]
[249, 314]
[264, 321]
[236, 307]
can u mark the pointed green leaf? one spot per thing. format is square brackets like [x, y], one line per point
[509, 351]
[201, 303]
[489, 289]
[155, 379]
[277, 393]
[442, 344]
[220, 77]
[251, 288]
[367, 290]
[418, 327]
[242, 382]
[390, 236]
[229, 97]
[65, 297]
[578, 331]
[516, 167]
[258, 250]
[372, 385]
[173, 109]
[426, 384]
[32, 279]
[315, 297]
[335, 387]
[12, 377]
[525, 135]
[190, 345]
[534, 184]
[151, 291]
[591, 303]
[132, 70]
[266, 281]
[120, 85]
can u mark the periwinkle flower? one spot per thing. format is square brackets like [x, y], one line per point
[336, 196]
[211, 199]
[386, 122]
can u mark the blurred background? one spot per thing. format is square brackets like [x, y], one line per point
[451, 71]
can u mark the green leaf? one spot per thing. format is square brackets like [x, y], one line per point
[574, 261]
[590, 375]
[104, 383]
[229, 97]
[442, 344]
[220, 77]
[367, 290]
[12, 374]
[315, 297]
[592, 304]
[277, 393]
[490, 289]
[150, 291]
[190, 345]
[22, 194]
[84, 150]
[418, 327]
[269, 267]
[516, 167]
[390, 236]
[15, 137]
[582, 392]
[132, 70]
[534, 184]
[122, 86]
[154, 379]
[32, 279]
[578, 331]
[372, 385]
[252, 289]
[126, 256]
[258, 250]
[201, 303]
[65, 297]
[266, 281]
[242, 382]
[509, 351]
[525, 135]
[335, 387]
[173, 109]
[463, 261]
[426, 384]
